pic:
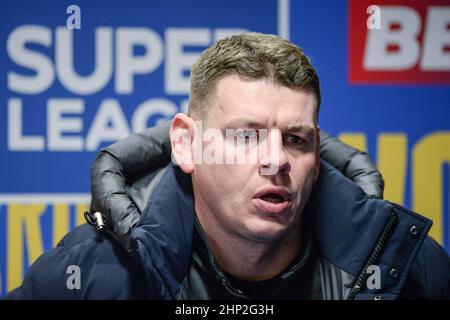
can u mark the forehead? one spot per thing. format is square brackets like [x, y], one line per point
[261, 102]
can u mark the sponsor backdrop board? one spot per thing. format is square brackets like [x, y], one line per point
[74, 79]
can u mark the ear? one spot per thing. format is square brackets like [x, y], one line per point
[181, 139]
[317, 152]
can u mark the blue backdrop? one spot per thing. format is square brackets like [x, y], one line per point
[59, 104]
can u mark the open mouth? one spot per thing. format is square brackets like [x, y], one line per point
[273, 197]
[273, 200]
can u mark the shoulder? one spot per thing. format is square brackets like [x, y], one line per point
[85, 265]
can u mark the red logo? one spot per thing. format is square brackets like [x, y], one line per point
[399, 41]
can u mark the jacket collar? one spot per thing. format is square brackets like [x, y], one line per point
[347, 226]
[163, 234]
[351, 229]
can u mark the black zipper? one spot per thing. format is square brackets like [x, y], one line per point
[374, 255]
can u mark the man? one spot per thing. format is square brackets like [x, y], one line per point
[283, 226]
[125, 162]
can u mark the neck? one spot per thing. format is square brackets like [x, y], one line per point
[247, 259]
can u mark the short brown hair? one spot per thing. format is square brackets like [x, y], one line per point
[255, 56]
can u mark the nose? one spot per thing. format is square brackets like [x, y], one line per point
[273, 157]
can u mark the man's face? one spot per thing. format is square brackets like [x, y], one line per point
[240, 199]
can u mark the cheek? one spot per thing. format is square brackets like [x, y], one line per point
[216, 179]
[304, 172]
[228, 185]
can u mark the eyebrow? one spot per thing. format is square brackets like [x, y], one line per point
[243, 122]
[304, 129]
